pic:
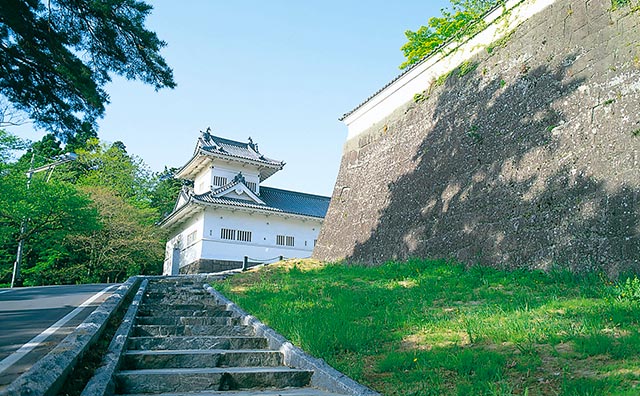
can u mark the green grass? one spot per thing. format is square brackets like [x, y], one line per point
[438, 328]
[616, 4]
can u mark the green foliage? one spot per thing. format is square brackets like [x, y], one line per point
[127, 243]
[92, 220]
[615, 4]
[8, 144]
[420, 97]
[628, 290]
[110, 165]
[54, 211]
[466, 68]
[165, 191]
[501, 42]
[475, 136]
[58, 55]
[461, 21]
[441, 80]
[435, 327]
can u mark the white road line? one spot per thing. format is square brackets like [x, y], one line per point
[5, 291]
[37, 340]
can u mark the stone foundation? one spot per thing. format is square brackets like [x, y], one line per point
[204, 266]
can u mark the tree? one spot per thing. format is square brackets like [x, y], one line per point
[128, 243]
[8, 144]
[53, 211]
[111, 166]
[455, 24]
[56, 56]
[165, 191]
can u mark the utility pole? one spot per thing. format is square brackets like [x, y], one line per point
[16, 279]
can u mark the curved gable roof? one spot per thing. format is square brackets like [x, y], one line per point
[218, 145]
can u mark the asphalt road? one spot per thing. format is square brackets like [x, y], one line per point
[30, 312]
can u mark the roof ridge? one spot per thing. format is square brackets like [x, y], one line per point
[223, 187]
[227, 140]
[295, 192]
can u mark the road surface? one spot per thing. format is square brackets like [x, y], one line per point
[34, 319]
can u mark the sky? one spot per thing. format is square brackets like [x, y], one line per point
[280, 72]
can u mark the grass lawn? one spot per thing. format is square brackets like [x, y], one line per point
[436, 328]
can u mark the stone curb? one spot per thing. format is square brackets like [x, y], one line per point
[101, 383]
[48, 374]
[325, 377]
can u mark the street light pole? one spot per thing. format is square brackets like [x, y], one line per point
[16, 280]
[15, 277]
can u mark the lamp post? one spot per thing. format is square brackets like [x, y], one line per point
[68, 157]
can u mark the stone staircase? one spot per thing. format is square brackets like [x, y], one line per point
[182, 343]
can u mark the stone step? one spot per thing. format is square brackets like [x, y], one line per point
[178, 290]
[275, 392]
[174, 287]
[188, 320]
[191, 306]
[190, 330]
[200, 342]
[135, 360]
[175, 282]
[168, 287]
[185, 294]
[189, 380]
[187, 301]
[184, 312]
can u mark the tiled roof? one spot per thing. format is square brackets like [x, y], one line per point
[248, 150]
[295, 202]
[276, 200]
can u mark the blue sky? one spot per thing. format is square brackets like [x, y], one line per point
[281, 72]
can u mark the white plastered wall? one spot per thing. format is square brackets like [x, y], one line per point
[264, 229]
[188, 252]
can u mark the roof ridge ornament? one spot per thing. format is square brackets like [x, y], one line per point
[206, 135]
[253, 146]
[239, 178]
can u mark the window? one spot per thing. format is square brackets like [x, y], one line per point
[284, 240]
[244, 236]
[219, 181]
[191, 238]
[226, 233]
[235, 235]
[252, 186]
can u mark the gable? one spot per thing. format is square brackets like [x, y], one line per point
[238, 190]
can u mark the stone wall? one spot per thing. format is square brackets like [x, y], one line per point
[206, 266]
[526, 156]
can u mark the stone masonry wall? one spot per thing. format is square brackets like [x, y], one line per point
[527, 160]
[206, 266]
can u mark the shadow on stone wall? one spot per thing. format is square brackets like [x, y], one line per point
[496, 180]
